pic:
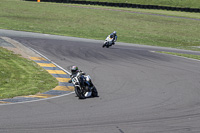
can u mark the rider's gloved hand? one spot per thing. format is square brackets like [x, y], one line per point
[70, 81]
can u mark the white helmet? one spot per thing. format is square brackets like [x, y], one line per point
[114, 32]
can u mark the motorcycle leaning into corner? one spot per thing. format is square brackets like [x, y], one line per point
[108, 42]
[83, 85]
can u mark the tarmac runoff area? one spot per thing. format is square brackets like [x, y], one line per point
[63, 88]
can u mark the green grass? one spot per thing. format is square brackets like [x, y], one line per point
[19, 76]
[172, 3]
[62, 19]
[183, 55]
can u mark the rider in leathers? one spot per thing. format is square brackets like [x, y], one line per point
[114, 37]
[74, 72]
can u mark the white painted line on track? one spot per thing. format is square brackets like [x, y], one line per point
[50, 61]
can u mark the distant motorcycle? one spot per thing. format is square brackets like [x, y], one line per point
[83, 86]
[108, 42]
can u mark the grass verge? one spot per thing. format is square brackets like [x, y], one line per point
[19, 76]
[97, 22]
[197, 57]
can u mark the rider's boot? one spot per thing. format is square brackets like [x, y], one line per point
[88, 94]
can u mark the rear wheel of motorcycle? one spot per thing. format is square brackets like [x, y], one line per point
[94, 92]
[79, 93]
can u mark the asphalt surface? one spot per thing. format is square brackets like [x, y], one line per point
[139, 91]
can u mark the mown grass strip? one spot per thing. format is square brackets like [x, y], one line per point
[19, 76]
[68, 20]
[197, 57]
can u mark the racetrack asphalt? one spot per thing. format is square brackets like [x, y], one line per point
[139, 91]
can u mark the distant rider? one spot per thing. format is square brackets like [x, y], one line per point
[114, 37]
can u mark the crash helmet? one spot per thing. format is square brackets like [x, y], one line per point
[114, 32]
[74, 69]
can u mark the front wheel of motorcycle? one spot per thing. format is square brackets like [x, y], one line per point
[94, 92]
[79, 92]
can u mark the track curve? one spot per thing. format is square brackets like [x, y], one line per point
[140, 91]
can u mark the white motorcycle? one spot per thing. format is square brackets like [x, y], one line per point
[83, 88]
[108, 42]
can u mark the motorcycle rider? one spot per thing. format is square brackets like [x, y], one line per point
[74, 72]
[114, 37]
